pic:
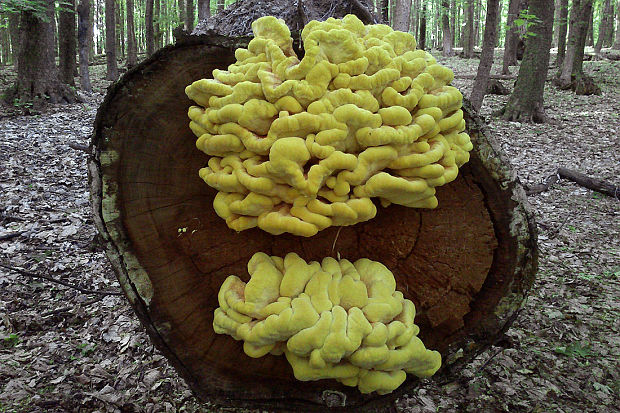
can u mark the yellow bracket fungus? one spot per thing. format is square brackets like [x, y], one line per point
[298, 145]
[333, 320]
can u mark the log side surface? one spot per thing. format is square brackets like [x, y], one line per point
[466, 265]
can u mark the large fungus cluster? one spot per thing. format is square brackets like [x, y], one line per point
[300, 145]
[334, 319]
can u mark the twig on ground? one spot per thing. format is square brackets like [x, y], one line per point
[78, 147]
[11, 235]
[595, 184]
[53, 280]
[68, 308]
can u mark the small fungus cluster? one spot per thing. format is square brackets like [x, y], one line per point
[332, 320]
[300, 145]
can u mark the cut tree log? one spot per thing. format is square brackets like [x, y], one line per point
[467, 265]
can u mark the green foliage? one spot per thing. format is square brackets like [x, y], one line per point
[37, 7]
[11, 340]
[575, 350]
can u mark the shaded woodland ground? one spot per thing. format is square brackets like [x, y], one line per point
[66, 350]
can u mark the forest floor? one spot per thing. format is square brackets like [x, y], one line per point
[63, 350]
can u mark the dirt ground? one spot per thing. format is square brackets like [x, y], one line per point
[64, 350]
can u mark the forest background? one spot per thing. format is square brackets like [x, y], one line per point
[64, 348]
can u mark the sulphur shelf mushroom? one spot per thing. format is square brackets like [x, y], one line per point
[299, 145]
[333, 320]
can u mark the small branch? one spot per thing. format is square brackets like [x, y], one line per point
[10, 235]
[595, 184]
[78, 147]
[53, 280]
[69, 308]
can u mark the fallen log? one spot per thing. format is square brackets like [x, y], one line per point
[595, 184]
[467, 265]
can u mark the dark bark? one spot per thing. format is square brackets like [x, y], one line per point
[453, 13]
[595, 184]
[402, 11]
[189, 15]
[468, 30]
[204, 9]
[132, 52]
[37, 76]
[486, 58]
[14, 32]
[477, 7]
[526, 102]
[422, 37]
[512, 36]
[110, 41]
[616, 45]
[157, 32]
[5, 43]
[385, 9]
[66, 42]
[603, 27]
[572, 66]
[590, 36]
[83, 10]
[148, 20]
[447, 32]
[562, 28]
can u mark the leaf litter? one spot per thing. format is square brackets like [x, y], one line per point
[62, 350]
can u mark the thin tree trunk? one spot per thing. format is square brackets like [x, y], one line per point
[572, 66]
[14, 32]
[157, 37]
[148, 20]
[92, 41]
[468, 35]
[556, 23]
[83, 10]
[401, 15]
[453, 12]
[563, 25]
[189, 15]
[385, 9]
[616, 45]
[66, 42]
[204, 9]
[478, 6]
[120, 35]
[603, 27]
[181, 8]
[512, 37]
[132, 53]
[447, 32]
[486, 58]
[590, 36]
[5, 42]
[526, 102]
[422, 42]
[110, 41]
[609, 39]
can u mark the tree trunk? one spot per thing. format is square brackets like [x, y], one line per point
[14, 32]
[83, 11]
[148, 20]
[563, 25]
[110, 41]
[204, 9]
[37, 76]
[402, 11]
[603, 27]
[66, 42]
[478, 6]
[189, 15]
[91, 31]
[385, 11]
[145, 187]
[512, 36]
[590, 31]
[120, 29]
[572, 66]
[468, 35]
[486, 58]
[616, 45]
[447, 32]
[453, 13]
[157, 33]
[422, 37]
[526, 102]
[5, 42]
[132, 53]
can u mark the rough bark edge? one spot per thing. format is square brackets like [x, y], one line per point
[486, 150]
